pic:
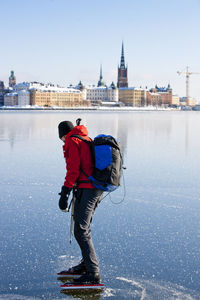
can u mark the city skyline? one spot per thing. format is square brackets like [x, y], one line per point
[62, 42]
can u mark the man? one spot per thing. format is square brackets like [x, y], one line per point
[78, 157]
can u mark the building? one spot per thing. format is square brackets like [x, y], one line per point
[191, 102]
[11, 99]
[154, 99]
[187, 102]
[175, 100]
[133, 96]
[122, 78]
[55, 96]
[23, 98]
[100, 93]
[183, 101]
[83, 90]
[12, 79]
[51, 95]
[2, 92]
[113, 93]
[165, 95]
[60, 99]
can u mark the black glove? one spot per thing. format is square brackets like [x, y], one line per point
[64, 195]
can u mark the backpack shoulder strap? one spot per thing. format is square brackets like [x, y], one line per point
[81, 138]
[87, 142]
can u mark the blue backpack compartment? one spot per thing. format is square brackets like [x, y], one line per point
[107, 158]
[107, 163]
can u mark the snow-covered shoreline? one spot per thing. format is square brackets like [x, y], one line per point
[94, 108]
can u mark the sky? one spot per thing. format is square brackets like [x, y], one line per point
[65, 41]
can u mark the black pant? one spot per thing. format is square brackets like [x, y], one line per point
[85, 205]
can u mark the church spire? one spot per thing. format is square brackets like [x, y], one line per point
[100, 82]
[122, 63]
[101, 77]
[122, 79]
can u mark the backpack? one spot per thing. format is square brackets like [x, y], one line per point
[107, 158]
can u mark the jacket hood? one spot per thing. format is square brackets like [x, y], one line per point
[78, 130]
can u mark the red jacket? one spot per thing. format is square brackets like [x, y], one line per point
[78, 156]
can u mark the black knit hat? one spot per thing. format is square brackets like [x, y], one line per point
[64, 127]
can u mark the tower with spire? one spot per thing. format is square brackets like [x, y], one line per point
[12, 79]
[100, 82]
[122, 79]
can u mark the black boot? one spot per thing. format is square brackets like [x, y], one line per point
[79, 269]
[88, 278]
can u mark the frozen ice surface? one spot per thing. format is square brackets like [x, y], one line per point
[148, 245]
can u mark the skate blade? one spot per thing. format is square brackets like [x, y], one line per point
[82, 286]
[68, 275]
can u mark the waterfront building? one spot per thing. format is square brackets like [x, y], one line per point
[83, 90]
[191, 102]
[133, 96]
[2, 92]
[23, 98]
[183, 101]
[113, 93]
[165, 95]
[60, 99]
[175, 100]
[11, 99]
[187, 102]
[122, 78]
[12, 79]
[153, 98]
[52, 95]
[98, 95]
